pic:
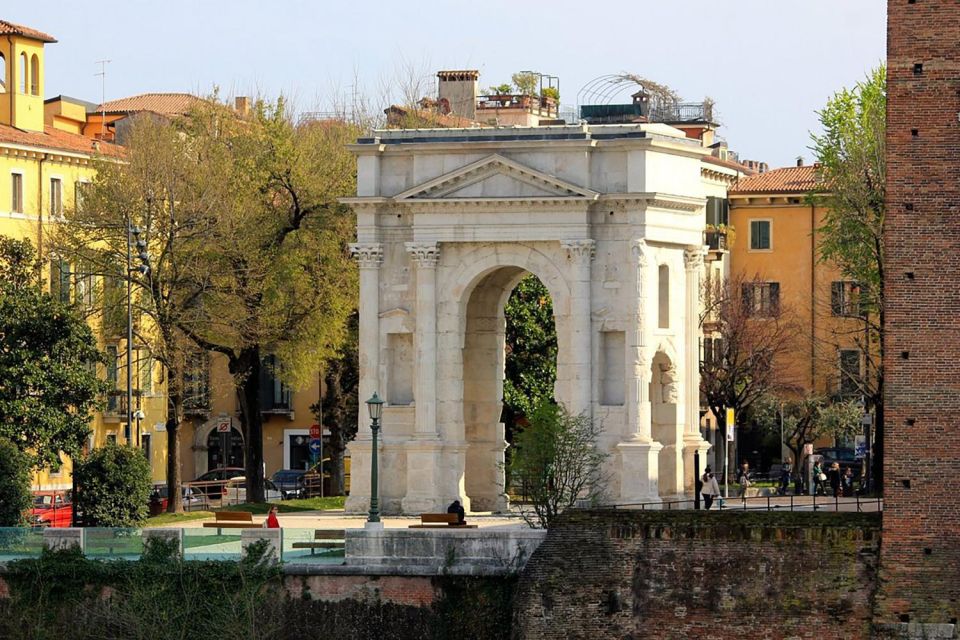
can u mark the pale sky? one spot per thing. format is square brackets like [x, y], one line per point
[768, 64]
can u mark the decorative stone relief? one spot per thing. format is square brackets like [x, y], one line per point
[579, 250]
[693, 258]
[668, 383]
[369, 255]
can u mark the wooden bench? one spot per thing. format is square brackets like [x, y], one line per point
[233, 520]
[324, 539]
[440, 521]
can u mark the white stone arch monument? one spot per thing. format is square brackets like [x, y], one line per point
[448, 222]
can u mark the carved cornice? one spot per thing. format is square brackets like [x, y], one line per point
[425, 254]
[658, 200]
[579, 250]
[369, 255]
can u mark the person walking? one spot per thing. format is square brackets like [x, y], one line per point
[710, 488]
[743, 478]
[272, 522]
[848, 483]
[785, 472]
[835, 480]
[819, 478]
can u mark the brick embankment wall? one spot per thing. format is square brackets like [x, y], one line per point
[618, 574]
[920, 557]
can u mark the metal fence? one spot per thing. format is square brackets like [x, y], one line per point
[852, 504]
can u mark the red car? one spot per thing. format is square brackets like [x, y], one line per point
[51, 509]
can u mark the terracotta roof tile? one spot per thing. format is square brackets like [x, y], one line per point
[786, 180]
[166, 104]
[405, 118]
[11, 29]
[55, 139]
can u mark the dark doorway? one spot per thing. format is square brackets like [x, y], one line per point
[215, 448]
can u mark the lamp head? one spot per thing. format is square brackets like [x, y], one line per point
[375, 405]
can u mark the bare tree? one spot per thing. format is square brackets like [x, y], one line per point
[748, 332]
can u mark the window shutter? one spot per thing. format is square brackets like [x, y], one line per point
[836, 298]
[774, 298]
[764, 234]
[746, 294]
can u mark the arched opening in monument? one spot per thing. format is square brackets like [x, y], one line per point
[509, 366]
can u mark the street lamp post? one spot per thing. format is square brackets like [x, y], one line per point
[143, 268]
[375, 406]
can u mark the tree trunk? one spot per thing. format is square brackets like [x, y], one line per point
[246, 373]
[174, 418]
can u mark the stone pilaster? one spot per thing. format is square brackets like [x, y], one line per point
[426, 257]
[580, 254]
[369, 257]
[692, 440]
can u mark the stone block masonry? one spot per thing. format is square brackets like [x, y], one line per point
[621, 574]
[920, 559]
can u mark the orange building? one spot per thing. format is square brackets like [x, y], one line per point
[777, 245]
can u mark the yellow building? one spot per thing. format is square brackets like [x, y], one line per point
[44, 162]
[777, 245]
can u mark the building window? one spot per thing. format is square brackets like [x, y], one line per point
[146, 374]
[23, 73]
[84, 284]
[761, 299]
[16, 192]
[35, 75]
[850, 373]
[145, 444]
[718, 211]
[112, 438]
[56, 197]
[60, 280]
[3, 74]
[78, 193]
[760, 235]
[663, 291]
[845, 298]
[712, 351]
[113, 395]
[196, 383]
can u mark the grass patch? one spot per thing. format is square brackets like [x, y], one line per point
[165, 519]
[290, 506]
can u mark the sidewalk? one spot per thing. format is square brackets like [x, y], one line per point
[337, 519]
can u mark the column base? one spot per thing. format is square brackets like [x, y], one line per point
[639, 471]
[424, 491]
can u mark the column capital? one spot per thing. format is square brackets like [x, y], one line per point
[639, 250]
[693, 258]
[425, 254]
[581, 251]
[369, 255]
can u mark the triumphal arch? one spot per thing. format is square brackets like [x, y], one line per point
[609, 218]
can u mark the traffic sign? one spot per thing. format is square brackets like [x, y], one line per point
[315, 447]
[223, 426]
[860, 447]
[730, 417]
[315, 431]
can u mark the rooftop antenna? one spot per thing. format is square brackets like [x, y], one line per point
[103, 96]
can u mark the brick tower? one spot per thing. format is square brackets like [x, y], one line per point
[920, 561]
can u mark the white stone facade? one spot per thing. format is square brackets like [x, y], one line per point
[609, 218]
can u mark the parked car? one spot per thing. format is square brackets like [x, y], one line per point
[235, 491]
[218, 474]
[289, 482]
[51, 509]
[193, 499]
[843, 456]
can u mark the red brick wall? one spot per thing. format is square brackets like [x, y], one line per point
[920, 562]
[618, 574]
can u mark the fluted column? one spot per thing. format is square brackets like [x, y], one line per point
[426, 256]
[369, 257]
[580, 254]
[638, 401]
[693, 265]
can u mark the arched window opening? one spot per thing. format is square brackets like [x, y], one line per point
[663, 288]
[35, 75]
[3, 74]
[23, 73]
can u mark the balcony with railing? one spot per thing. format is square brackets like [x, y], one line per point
[544, 107]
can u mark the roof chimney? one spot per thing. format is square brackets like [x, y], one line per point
[242, 105]
[458, 92]
[799, 161]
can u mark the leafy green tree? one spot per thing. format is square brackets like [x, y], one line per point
[851, 157]
[805, 420]
[531, 345]
[526, 82]
[278, 277]
[555, 464]
[113, 486]
[500, 89]
[15, 497]
[48, 359]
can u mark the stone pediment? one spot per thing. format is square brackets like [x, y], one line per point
[495, 177]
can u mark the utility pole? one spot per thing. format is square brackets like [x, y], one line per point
[103, 96]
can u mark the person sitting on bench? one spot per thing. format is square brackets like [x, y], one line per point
[457, 508]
